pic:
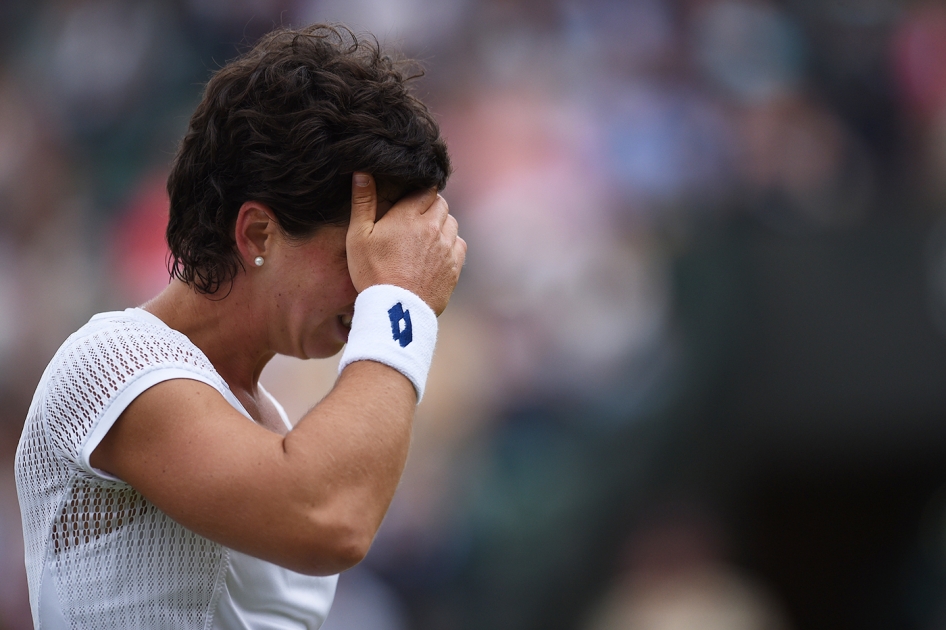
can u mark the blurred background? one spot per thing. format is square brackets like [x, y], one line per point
[694, 375]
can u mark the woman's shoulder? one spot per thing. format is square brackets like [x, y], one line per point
[102, 368]
[110, 339]
[116, 348]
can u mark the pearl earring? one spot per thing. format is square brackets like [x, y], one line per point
[259, 261]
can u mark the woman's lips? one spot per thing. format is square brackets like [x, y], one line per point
[344, 325]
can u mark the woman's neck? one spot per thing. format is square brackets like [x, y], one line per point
[224, 328]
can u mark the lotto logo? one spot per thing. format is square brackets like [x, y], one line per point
[402, 335]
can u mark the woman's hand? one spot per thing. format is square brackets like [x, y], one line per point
[414, 245]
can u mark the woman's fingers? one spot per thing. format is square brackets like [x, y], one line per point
[414, 245]
[364, 202]
[450, 227]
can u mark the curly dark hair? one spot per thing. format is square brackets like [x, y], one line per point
[286, 124]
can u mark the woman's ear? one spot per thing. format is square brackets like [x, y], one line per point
[254, 230]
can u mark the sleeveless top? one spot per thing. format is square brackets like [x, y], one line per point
[100, 555]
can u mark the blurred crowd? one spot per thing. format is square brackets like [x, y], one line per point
[640, 183]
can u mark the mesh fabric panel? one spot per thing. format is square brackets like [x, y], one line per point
[120, 562]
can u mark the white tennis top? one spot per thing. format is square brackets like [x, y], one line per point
[100, 555]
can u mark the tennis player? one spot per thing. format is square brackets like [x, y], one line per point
[160, 485]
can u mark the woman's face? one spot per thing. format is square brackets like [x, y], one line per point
[310, 294]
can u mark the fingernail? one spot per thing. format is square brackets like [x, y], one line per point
[361, 179]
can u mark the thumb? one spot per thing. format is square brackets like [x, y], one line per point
[364, 200]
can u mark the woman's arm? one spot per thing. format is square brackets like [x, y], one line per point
[310, 501]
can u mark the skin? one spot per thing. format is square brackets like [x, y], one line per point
[310, 499]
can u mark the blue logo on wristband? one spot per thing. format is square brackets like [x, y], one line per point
[401, 335]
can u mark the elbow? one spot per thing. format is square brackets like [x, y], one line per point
[348, 548]
[333, 548]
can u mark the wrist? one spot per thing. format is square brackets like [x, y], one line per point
[393, 326]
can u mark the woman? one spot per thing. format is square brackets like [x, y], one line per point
[160, 485]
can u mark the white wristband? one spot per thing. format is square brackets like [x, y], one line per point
[395, 327]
